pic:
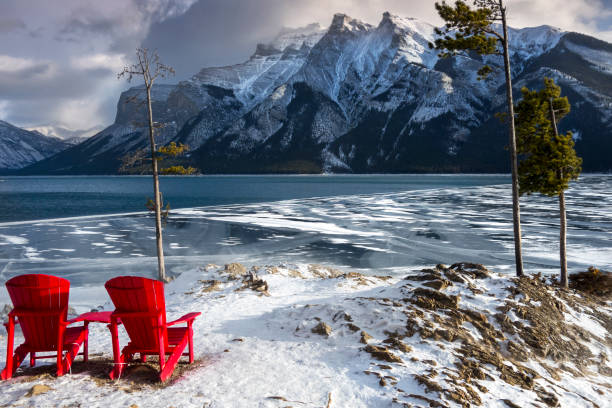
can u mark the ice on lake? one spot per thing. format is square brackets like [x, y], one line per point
[387, 233]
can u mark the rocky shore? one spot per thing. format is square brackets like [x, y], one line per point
[312, 336]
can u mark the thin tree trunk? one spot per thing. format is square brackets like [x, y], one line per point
[516, 212]
[562, 216]
[158, 227]
[562, 234]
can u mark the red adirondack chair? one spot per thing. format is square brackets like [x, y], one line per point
[141, 308]
[40, 308]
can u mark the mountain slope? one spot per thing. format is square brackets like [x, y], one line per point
[361, 98]
[20, 148]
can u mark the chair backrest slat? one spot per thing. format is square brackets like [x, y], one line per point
[137, 294]
[40, 293]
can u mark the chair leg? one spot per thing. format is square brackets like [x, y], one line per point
[60, 350]
[190, 329]
[118, 357]
[71, 354]
[13, 363]
[170, 364]
[86, 343]
[10, 339]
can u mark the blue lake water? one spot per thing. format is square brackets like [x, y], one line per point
[34, 198]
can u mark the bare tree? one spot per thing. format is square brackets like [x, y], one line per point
[478, 29]
[149, 67]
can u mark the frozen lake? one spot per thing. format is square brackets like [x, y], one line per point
[382, 232]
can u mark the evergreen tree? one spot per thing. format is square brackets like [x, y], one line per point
[475, 29]
[548, 159]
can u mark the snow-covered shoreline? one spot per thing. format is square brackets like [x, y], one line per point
[439, 336]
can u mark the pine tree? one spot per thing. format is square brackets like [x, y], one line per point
[475, 29]
[548, 159]
[149, 67]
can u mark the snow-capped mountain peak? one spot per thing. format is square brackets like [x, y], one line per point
[20, 147]
[297, 37]
[343, 23]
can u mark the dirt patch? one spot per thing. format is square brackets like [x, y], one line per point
[529, 325]
[38, 389]
[547, 335]
[234, 270]
[594, 282]
[137, 376]
[324, 272]
[210, 285]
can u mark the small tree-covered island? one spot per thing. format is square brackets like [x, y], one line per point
[378, 212]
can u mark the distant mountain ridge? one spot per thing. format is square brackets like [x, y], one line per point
[20, 148]
[355, 97]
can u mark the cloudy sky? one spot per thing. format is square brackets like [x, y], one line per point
[59, 58]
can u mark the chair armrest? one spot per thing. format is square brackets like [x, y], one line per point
[134, 314]
[98, 317]
[189, 317]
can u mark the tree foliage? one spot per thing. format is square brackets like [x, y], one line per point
[469, 29]
[139, 162]
[548, 161]
[175, 150]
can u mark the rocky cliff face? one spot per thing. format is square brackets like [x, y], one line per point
[361, 98]
[20, 148]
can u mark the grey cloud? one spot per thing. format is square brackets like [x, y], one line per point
[78, 26]
[41, 83]
[8, 25]
[214, 33]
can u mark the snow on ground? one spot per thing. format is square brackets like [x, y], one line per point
[435, 337]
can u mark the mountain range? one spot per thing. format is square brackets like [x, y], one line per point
[20, 148]
[355, 97]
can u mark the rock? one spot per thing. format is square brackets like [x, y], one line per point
[353, 327]
[425, 275]
[253, 282]
[235, 270]
[432, 299]
[510, 404]
[295, 274]
[365, 337]
[323, 329]
[547, 397]
[398, 344]
[38, 389]
[210, 285]
[382, 353]
[426, 381]
[472, 270]
[6, 309]
[438, 284]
